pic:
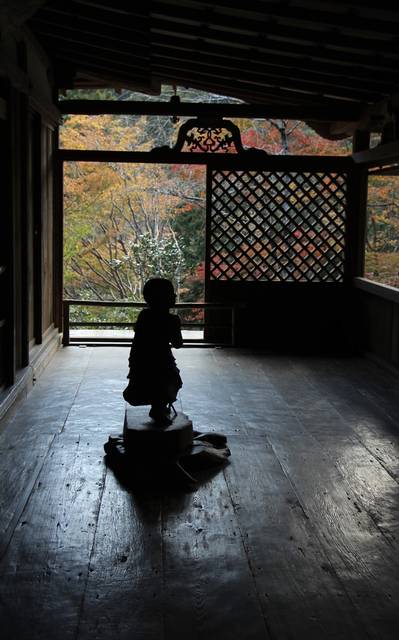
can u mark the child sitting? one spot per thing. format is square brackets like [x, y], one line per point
[153, 375]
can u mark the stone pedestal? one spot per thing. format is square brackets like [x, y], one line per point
[143, 437]
[149, 455]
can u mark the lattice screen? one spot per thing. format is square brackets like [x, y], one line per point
[277, 226]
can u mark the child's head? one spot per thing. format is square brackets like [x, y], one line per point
[159, 292]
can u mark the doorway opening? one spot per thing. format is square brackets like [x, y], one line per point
[124, 223]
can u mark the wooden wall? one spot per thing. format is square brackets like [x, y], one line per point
[28, 327]
[378, 320]
[289, 317]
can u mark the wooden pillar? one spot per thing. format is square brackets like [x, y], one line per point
[65, 324]
[356, 223]
[58, 234]
[4, 241]
[357, 211]
[24, 230]
[7, 239]
[207, 271]
[208, 229]
[361, 141]
[36, 159]
[356, 240]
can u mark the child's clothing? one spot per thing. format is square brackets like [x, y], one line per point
[153, 375]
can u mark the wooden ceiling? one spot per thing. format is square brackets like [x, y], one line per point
[336, 55]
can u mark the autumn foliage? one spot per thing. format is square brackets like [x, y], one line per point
[382, 241]
[126, 222]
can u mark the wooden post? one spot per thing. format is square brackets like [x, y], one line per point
[357, 210]
[24, 227]
[233, 325]
[58, 233]
[65, 324]
[361, 141]
[37, 149]
[207, 271]
[356, 223]
[7, 239]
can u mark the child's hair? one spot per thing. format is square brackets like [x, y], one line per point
[159, 291]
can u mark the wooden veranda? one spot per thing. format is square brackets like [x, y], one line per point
[297, 537]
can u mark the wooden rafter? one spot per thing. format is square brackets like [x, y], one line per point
[265, 51]
[96, 107]
[346, 16]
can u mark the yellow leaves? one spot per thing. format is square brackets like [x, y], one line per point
[106, 132]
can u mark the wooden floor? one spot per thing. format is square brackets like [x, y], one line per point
[296, 538]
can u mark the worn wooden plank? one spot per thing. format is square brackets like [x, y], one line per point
[18, 473]
[360, 555]
[292, 569]
[46, 565]
[373, 486]
[27, 440]
[246, 388]
[195, 582]
[301, 593]
[209, 585]
[374, 383]
[124, 592]
[293, 444]
[295, 539]
[44, 570]
[205, 396]
[365, 398]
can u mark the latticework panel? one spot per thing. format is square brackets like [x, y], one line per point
[277, 226]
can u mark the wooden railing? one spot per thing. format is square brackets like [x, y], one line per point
[69, 324]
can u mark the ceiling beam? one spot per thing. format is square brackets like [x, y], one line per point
[124, 9]
[203, 23]
[206, 22]
[253, 69]
[261, 44]
[186, 73]
[211, 110]
[100, 67]
[349, 66]
[108, 35]
[345, 17]
[89, 53]
[383, 154]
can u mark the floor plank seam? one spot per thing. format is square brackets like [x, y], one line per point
[163, 565]
[388, 537]
[359, 499]
[385, 415]
[93, 545]
[370, 399]
[268, 631]
[321, 543]
[45, 457]
[18, 517]
[77, 390]
[391, 474]
[292, 485]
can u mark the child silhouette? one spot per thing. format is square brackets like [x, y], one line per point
[153, 375]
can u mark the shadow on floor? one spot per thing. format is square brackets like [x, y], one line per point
[161, 478]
